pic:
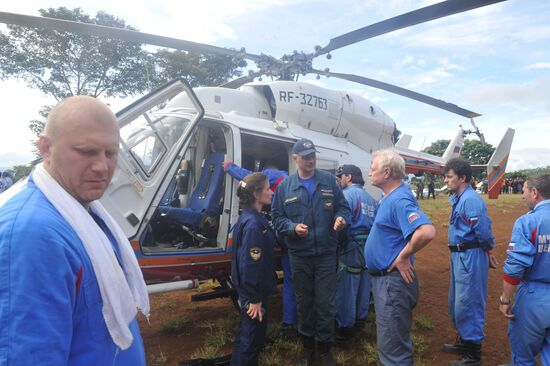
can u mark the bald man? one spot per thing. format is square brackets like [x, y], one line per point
[70, 285]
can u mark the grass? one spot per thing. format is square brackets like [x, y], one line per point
[194, 307]
[166, 306]
[175, 326]
[160, 360]
[421, 321]
[205, 352]
[419, 344]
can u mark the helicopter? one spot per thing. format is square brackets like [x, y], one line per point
[169, 192]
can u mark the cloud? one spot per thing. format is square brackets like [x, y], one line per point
[528, 159]
[534, 93]
[539, 65]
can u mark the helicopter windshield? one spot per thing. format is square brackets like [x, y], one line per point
[150, 136]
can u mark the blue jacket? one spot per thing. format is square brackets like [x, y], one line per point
[363, 209]
[50, 304]
[253, 263]
[529, 250]
[469, 220]
[291, 206]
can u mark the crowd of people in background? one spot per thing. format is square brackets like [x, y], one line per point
[512, 185]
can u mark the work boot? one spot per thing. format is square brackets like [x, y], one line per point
[458, 348]
[325, 355]
[308, 348]
[343, 337]
[288, 331]
[472, 355]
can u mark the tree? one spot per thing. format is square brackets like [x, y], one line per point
[437, 148]
[198, 70]
[63, 64]
[476, 152]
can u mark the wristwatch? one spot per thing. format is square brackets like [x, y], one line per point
[503, 301]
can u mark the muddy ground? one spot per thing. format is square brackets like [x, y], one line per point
[180, 329]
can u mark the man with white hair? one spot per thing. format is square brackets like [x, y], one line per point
[71, 285]
[399, 230]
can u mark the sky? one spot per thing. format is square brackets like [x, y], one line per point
[494, 60]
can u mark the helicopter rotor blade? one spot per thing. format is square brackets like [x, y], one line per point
[236, 83]
[119, 33]
[409, 19]
[453, 108]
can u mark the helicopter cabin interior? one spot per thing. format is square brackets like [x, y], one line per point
[194, 211]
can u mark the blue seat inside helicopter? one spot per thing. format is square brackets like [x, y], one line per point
[205, 199]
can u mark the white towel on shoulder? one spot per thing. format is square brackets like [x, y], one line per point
[122, 295]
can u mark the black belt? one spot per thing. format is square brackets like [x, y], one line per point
[464, 247]
[383, 272]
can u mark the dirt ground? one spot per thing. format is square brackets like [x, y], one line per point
[195, 322]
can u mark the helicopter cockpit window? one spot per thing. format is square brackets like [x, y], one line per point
[150, 136]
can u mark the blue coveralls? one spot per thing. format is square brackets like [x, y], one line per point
[289, 299]
[313, 258]
[50, 304]
[528, 264]
[470, 234]
[397, 218]
[353, 286]
[253, 274]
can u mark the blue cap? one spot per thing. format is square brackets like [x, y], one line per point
[349, 169]
[303, 147]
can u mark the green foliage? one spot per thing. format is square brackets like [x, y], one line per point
[175, 326]
[160, 359]
[476, 152]
[21, 171]
[166, 306]
[198, 70]
[473, 150]
[437, 148]
[527, 172]
[63, 64]
[421, 321]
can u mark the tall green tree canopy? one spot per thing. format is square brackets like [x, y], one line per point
[437, 148]
[63, 64]
[476, 152]
[473, 150]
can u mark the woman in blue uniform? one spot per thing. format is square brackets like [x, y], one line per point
[253, 268]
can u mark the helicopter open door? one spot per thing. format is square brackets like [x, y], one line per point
[151, 137]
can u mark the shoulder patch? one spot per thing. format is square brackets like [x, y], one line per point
[413, 216]
[255, 253]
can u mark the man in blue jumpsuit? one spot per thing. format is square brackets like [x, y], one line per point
[353, 286]
[54, 300]
[527, 270]
[399, 230]
[308, 211]
[470, 241]
[275, 176]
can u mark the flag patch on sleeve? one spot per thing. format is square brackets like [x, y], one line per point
[413, 216]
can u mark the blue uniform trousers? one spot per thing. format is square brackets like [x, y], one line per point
[314, 279]
[289, 299]
[468, 293]
[529, 331]
[353, 289]
[249, 339]
[394, 301]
